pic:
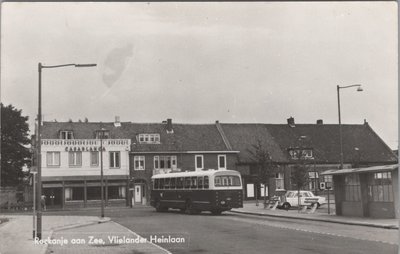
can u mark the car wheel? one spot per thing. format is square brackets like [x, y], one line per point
[216, 212]
[286, 206]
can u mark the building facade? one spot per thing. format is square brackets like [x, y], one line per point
[167, 147]
[72, 157]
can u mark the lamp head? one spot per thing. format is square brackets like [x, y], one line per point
[359, 89]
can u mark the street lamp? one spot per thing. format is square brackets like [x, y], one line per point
[101, 134]
[359, 89]
[39, 144]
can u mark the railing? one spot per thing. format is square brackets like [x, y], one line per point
[85, 142]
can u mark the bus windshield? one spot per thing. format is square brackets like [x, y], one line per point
[228, 180]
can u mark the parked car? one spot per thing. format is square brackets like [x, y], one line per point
[291, 199]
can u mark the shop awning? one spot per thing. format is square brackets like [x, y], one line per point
[361, 170]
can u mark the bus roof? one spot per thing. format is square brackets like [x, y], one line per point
[195, 173]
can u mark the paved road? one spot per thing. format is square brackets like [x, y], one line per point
[232, 233]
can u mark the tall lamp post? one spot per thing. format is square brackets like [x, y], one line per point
[101, 134]
[359, 89]
[39, 144]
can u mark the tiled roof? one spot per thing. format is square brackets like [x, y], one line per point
[185, 137]
[322, 139]
[325, 142]
[242, 137]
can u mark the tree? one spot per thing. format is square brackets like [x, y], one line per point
[263, 159]
[14, 139]
[299, 175]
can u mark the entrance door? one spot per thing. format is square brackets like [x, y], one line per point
[138, 193]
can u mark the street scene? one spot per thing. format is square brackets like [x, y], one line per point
[188, 127]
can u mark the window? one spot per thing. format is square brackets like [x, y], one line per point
[66, 135]
[199, 161]
[165, 162]
[115, 159]
[352, 187]
[380, 187]
[328, 178]
[206, 182]
[173, 183]
[200, 182]
[75, 159]
[74, 193]
[179, 183]
[221, 161]
[94, 193]
[226, 181]
[301, 153]
[116, 192]
[194, 182]
[139, 162]
[149, 138]
[104, 134]
[279, 181]
[94, 158]
[53, 159]
[187, 182]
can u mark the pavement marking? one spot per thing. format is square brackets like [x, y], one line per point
[157, 246]
[312, 231]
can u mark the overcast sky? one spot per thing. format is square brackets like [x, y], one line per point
[200, 62]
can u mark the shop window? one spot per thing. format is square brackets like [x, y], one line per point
[94, 193]
[116, 192]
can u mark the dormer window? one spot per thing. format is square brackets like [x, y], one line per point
[104, 134]
[66, 135]
[149, 138]
[301, 153]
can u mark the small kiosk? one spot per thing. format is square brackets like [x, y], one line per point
[366, 192]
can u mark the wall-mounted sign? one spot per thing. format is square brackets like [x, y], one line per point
[84, 149]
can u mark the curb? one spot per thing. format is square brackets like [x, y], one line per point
[106, 219]
[320, 219]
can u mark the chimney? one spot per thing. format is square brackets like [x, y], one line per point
[320, 122]
[117, 122]
[290, 122]
[169, 126]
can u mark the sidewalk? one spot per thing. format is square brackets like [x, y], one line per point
[319, 215]
[16, 235]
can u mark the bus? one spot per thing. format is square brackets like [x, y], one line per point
[193, 192]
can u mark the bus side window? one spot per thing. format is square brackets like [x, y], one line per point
[156, 184]
[179, 183]
[206, 182]
[200, 182]
[161, 184]
[187, 182]
[217, 181]
[172, 183]
[166, 183]
[194, 182]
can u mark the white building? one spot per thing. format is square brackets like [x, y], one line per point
[72, 155]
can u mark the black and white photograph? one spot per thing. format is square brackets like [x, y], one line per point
[199, 127]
